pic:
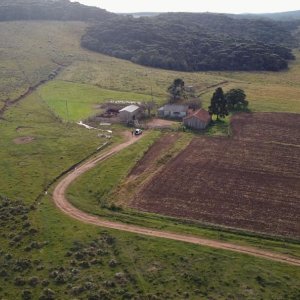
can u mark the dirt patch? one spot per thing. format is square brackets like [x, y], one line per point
[250, 181]
[155, 151]
[24, 140]
[161, 123]
[23, 128]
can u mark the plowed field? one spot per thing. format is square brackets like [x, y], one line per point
[249, 181]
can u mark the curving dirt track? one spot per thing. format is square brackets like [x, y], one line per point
[62, 203]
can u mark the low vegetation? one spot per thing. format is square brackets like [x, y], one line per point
[62, 10]
[96, 264]
[76, 101]
[46, 255]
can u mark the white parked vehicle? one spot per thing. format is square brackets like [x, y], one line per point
[138, 131]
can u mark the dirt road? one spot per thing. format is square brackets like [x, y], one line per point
[63, 204]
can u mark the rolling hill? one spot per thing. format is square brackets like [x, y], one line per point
[60, 10]
[195, 42]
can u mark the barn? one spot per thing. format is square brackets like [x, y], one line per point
[129, 113]
[198, 120]
[176, 111]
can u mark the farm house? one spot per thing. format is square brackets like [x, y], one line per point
[176, 111]
[198, 120]
[129, 113]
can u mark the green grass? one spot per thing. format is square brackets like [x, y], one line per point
[111, 175]
[98, 192]
[32, 50]
[151, 267]
[27, 168]
[76, 101]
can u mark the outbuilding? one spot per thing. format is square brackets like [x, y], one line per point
[175, 111]
[198, 120]
[129, 113]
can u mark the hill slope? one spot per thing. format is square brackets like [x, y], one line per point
[194, 42]
[63, 10]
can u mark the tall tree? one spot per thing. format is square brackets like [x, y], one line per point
[236, 99]
[176, 91]
[149, 106]
[218, 105]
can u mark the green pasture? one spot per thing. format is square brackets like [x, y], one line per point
[150, 268]
[77, 101]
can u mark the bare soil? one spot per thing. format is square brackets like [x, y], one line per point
[155, 151]
[250, 181]
[63, 204]
[160, 123]
[23, 140]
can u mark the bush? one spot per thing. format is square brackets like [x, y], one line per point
[112, 263]
[33, 281]
[26, 295]
[47, 294]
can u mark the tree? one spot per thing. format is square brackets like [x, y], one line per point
[194, 103]
[218, 104]
[176, 90]
[236, 99]
[150, 105]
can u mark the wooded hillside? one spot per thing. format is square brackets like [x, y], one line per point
[195, 42]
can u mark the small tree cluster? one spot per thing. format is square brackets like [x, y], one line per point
[218, 105]
[221, 104]
[176, 91]
[236, 99]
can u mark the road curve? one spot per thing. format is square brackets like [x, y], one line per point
[60, 200]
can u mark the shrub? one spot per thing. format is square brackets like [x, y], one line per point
[19, 281]
[3, 273]
[47, 294]
[112, 263]
[33, 281]
[26, 295]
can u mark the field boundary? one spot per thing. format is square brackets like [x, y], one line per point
[64, 205]
[8, 102]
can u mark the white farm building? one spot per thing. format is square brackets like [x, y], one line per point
[176, 111]
[129, 113]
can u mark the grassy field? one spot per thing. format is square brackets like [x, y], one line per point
[81, 100]
[77, 261]
[32, 50]
[41, 250]
[26, 168]
[35, 55]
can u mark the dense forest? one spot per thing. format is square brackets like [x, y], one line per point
[195, 42]
[177, 41]
[62, 10]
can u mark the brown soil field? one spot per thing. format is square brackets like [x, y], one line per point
[155, 151]
[250, 181]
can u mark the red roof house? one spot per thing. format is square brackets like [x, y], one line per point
[198, 120]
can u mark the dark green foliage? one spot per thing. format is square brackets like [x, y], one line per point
[195, 42]
[236, 99]
[47, 294]
[218, 105]
[26, 295]
[176, 90]
[194, 103]
[63, 10]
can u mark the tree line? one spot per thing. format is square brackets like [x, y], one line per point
[195, 42]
